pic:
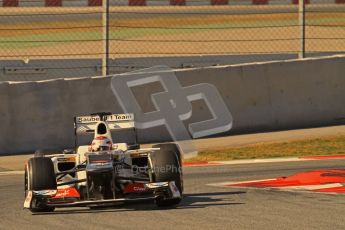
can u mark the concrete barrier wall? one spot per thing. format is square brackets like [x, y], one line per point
[47, 69]
[261, 96]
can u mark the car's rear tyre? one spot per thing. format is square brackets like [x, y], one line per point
[166, 167]
[40, 175]
[39, 153]
[44, 152]
[170, 147]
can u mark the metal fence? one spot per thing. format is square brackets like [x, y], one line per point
[146, 35]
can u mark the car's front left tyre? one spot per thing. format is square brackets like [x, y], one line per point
[167, 168]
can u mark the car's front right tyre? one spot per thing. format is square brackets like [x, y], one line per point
[39, 175]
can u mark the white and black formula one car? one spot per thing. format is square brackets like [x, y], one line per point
[104, 173]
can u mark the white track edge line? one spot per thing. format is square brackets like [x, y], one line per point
[7, 173]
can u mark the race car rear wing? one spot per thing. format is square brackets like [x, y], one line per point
[86, 124]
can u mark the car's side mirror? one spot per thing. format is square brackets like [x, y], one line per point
[68, 151]
[120, 146]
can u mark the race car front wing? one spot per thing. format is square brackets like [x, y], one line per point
[170, 187]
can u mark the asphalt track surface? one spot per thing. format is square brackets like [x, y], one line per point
[203, 207]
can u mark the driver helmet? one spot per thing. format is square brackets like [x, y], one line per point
[101, 143]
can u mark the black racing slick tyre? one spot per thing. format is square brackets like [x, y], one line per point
[44, 152]
[166, 167]
[40, 175]
[170, 147]
[39, 153]
[174, 148]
